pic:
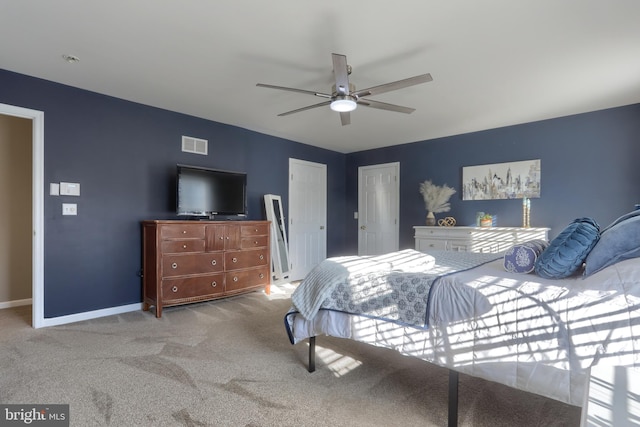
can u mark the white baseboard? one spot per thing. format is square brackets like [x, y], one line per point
[88, 315]
[15, 303]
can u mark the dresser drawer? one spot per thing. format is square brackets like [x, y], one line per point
[238, 280]
[192, 287]
[234, 260]
[182, 246]
[183, 265]
[434, 245]
[254, 242]
[182, 231]
[254, 230]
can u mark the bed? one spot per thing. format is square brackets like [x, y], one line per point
[534, 333]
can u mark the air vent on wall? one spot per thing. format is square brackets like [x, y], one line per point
[195, 145]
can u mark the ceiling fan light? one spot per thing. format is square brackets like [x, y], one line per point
[343, 105]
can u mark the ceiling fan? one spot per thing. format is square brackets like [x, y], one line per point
[344, 97]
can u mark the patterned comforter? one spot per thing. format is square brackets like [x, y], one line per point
[394, 287]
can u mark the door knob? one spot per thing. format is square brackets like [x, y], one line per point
[363, 227]
[322, 227]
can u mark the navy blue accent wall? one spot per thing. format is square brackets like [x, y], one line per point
[124, 156]
[589, 168]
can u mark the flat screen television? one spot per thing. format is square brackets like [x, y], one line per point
[204, 192]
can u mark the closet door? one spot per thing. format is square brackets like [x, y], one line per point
[307, 216]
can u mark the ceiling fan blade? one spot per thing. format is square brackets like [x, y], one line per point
[345, 118]
[375, 90]
[322, 104]
[384, 106]
[291, 89]
[341, 73]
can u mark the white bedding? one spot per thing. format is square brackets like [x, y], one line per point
[530, 333]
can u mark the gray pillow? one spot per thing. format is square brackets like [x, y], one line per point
[617, 242]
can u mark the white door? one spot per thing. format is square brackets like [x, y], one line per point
[378, 208]
[307, 216]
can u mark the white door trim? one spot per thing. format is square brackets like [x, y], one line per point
[37, 214]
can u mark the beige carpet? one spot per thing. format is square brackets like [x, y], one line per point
[229, 363]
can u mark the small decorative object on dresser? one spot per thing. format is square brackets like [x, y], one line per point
[486, 220]
[447, 222]
[436, 199]
[190, 261]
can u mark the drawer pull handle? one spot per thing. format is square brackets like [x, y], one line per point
[227, 237]
[184, 231]
[213, 262]
[184, 246]
[174, 265]
[235, 278]
[234, 259]
[255, 243]
[214, 284]
[221, 238]
[261, 276]
[174, 289]
[261, 257]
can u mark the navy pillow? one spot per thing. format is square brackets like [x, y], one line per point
[623, 218]
[567, 252]
[618, 242]
[521, 258]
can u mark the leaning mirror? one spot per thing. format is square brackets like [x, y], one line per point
[279, 248]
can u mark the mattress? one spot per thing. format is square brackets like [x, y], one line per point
[530, 333]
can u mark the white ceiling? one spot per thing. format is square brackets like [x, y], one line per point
[494, 63]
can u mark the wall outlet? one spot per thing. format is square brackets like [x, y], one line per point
[69, 209]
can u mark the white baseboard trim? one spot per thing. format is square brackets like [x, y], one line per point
[15, 303]
[88, 315]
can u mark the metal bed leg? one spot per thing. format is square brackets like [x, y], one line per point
[453, 398]
[453, 384]
[312, 354]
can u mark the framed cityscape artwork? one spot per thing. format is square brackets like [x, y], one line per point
[511, 180]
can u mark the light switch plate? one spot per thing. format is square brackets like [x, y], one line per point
[69, 189]
[54, 189]
[69, 209]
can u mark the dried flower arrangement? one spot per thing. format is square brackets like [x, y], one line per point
[436, 198]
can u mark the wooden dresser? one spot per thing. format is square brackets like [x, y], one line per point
[190, 261]
[474, 239]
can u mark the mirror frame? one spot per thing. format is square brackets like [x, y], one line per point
[280, 261]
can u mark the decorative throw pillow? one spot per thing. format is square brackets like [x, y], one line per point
[617, 242]
[521, 258]
[568, 251]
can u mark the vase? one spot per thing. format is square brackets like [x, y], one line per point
[431, 219]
